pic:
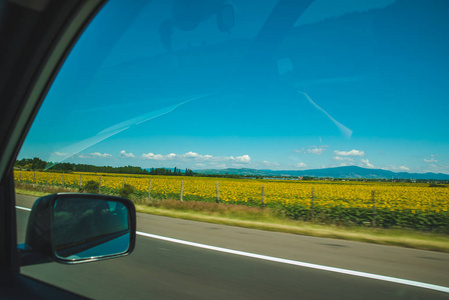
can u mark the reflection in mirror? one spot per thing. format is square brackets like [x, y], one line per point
[85, 228]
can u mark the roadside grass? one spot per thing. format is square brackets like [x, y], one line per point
[41, 190]
[31, 193]
[270, 220]
[266, 219]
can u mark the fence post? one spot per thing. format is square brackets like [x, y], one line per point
[123, 184]
[149, 191]
[99, 185]
[374, 208]
[182, 190]
[263, 196]
[47, 180]
[34, 179]
[62, 180]
[20, 177]
[218, 193]
[312, 204]
[81, 180]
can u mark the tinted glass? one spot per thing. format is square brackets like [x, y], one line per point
[88, 228]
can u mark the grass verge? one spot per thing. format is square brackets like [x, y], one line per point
[266, 219]
[32, 193]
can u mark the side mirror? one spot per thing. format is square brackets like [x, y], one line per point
[74, 228]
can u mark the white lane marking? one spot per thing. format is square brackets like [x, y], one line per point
[23, 208]
[302, 264]
[294, 262]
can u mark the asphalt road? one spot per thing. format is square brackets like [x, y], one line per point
[159, 269]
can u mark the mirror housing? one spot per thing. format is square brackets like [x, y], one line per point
[76, 228]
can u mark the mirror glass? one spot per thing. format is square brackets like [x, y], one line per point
[85, 228]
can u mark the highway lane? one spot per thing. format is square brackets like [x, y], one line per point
[166, 270]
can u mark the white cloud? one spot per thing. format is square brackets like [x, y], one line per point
[317, 150]
[191, 155]
[243, 159]
[153, 156]
[366, 163]
[123, 154]
[440, 168]
[195, 157]
[300, 165]
[104, 155]
[60, 154]
[94, 155]
[353, 152]
[432, 160]
[396, 168]
[339, 158]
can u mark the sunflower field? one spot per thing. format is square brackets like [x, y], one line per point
[381, 204]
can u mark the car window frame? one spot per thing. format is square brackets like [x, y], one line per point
[38, 36]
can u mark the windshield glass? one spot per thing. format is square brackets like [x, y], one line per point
[324, 112]
[163, 85]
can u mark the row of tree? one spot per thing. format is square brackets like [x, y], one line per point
[174, 172]
[36, 164]
[30, 164]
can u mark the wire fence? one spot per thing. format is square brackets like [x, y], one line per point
[368, 204]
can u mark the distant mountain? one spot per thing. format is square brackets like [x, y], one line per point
[338, 172]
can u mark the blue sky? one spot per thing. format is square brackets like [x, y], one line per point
[352, 83]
